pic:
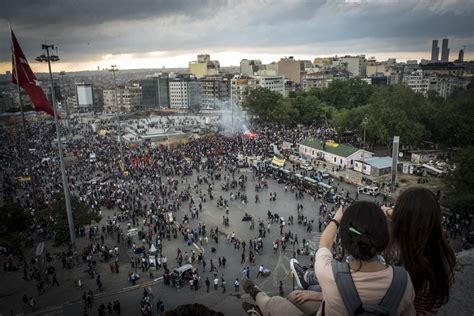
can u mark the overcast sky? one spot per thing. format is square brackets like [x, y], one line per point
[157, 33]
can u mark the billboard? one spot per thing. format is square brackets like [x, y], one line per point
[85, 97]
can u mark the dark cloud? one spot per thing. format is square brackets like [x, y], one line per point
[86, 29]
[72, 13]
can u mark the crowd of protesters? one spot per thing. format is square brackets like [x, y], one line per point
[159, 181]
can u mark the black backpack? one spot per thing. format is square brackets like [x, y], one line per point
[351, 299]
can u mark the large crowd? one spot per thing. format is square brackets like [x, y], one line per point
[162, 194]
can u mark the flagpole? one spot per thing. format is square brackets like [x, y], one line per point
[25, 131]
[67, 196]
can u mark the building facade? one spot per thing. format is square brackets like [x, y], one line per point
[334, 153]
[204, 66]
[249, 67]
[273, 83]
[214, 90]
[128, 99]
[155, 92]
[434, 51]
[184, 93]
[356, 65]
[422, 81]
[445, 50]
[292, 69]
[240, 86]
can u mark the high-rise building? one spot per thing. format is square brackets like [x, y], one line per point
[434, 51]
[128, 99]
[155, 92]
[445, 50]
[461, 55]
[214, 91]
[184, 93]
[57, 93]
[204, 66]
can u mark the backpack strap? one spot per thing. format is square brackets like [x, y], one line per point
[396, 291]
[346, 286]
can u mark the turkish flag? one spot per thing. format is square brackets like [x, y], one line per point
[27, 79]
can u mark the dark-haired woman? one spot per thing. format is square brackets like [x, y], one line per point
[420, 245]
[364, 235]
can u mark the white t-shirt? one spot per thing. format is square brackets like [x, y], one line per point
[371, 286]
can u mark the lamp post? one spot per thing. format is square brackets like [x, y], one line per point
[364, 123]
[52, 58]
[232, 107]
[62, 74]
[114, 69]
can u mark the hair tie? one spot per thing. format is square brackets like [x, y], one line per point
[355, 231]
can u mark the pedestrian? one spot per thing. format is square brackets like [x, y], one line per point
[118, 307]
[260, 271]
[223, 284]
[160, 307]
[32, 303]
[208, 283]
[216, 283]
[224, 260]
[237, 285]
[242, 261]
[55, 280]
[109, 308]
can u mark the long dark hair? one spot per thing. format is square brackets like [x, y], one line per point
[364, 230]
[422, 248]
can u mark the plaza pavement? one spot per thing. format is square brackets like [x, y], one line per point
[66, 299]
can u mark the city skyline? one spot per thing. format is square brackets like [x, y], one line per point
[156, 34]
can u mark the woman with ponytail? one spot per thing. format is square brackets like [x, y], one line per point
[364, 236]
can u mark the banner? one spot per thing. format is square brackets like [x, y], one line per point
[280, 162]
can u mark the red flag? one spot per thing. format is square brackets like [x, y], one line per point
[27, 79]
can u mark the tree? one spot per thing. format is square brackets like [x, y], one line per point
[395, 110]
[460, 195]
[456, 119]
[350, 119]
[284, 112]
[14, 224]
[261, 102]
[82, 215]
[345, 93]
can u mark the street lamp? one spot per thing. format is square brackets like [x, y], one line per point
[232, 107]
[62, 74]
[114, 69]
[52, 58]
[364, 123]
